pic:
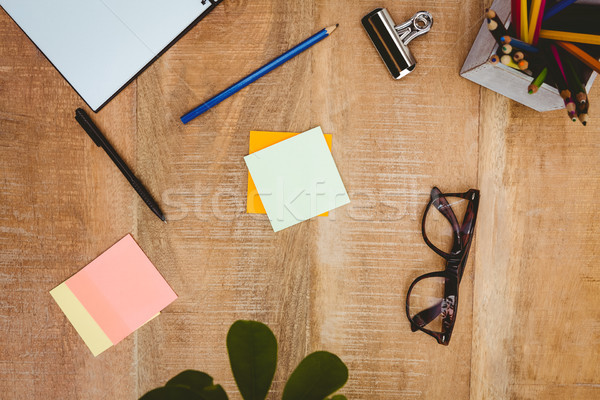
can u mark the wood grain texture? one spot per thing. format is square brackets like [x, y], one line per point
[63, 204]
[527, 327]
[536, 335]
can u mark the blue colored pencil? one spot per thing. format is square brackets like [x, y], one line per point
[516, 43]
[558, 7]
[258, 73]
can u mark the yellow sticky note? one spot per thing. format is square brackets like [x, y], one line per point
[91, 333]
[260, 140]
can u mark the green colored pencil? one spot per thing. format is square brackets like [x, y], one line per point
[537, 81]
[578, 88]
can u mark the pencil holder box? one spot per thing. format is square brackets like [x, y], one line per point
[505, 80]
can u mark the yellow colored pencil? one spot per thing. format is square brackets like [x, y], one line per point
[570, 36]
[524, 27]
[508, 61]
[535, 13]
[537, 8]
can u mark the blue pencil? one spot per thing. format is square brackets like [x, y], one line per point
[258, 73]
[516, 43]
[558, 7]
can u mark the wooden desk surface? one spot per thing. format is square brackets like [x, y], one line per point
[529, 322]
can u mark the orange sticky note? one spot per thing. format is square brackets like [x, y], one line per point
[121, 289]
[260, 140]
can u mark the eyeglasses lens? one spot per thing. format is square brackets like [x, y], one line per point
[426, 305]
[443, 220]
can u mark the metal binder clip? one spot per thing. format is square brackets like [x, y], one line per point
[391, 41]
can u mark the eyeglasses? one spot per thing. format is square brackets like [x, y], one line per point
[432, 299]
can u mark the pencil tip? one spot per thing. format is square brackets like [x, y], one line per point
[331, 28]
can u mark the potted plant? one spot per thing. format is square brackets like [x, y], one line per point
[252, 349]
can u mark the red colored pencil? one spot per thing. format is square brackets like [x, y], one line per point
[566, 93]
[558, 62]
[538, 26]
[515, 16]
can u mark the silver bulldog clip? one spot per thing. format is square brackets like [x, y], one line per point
[392, 41]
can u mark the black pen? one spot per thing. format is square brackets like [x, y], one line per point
[98, 138]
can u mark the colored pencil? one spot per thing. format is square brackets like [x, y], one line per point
[508, 61]
[557, 71]
[581, 55]
[569, 104]
[553, 69]
[518, 56]
[493, 16]
[536, 21]
[537, 81]
[534, 11]
[556, 56]
[565, 94]
[507, 49]
[582, 113]
[576, 86]
[570, 36]
[524, 28]
[496, 30]
[495, 25]
[558, 7]
[519, 44]
[258, 74]
[523, 65]
[515, 15]
[494, 59]
[583, 117]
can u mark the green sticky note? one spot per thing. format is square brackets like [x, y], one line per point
[297, 179]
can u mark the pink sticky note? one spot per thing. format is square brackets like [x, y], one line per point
[121, 289]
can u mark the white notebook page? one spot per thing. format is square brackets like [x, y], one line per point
[99, 45]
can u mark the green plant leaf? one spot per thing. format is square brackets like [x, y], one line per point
[191, 379]
[252, 351]
[199, 383]
[214, 392]
[316, 377]
[171, 393]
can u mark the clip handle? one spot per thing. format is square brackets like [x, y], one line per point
[418, 25]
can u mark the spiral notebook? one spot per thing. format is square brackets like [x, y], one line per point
[99, 46]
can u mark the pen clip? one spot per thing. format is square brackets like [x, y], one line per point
[88, 126]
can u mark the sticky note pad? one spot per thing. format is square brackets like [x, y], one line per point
[297, 179]
[258, 141]
[82, 321]
[113, 296]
